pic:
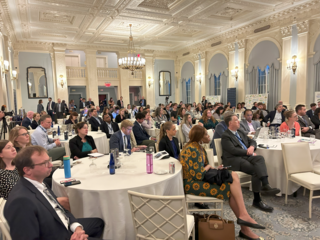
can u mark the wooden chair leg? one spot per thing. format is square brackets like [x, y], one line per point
[286, 198]
[304, 191]
[310, 203]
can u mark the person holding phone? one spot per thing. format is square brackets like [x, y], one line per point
[168, 141]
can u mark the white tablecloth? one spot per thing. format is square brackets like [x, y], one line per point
[103, 195]
[275, 165]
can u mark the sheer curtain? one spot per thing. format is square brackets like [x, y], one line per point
[274, 87]
[251, 84]
[317, 76]
[224, 83]
[184, 90]
[211, 85]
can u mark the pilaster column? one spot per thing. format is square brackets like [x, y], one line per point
[197, 70]
[231, 64]
[60, 69]
[149, 70]
[55, 92]
[203, 56]
[10, 86]
[92, 77]
[285, 74]
[19, 79]
[241, 67]
[176, 80]
[302, 70]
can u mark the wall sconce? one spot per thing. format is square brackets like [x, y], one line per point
[30, 84]
[292, 64]
[198, 78]
[6, 66]
[235, 72]
[62, 82]
[150, 81]
[14, 74]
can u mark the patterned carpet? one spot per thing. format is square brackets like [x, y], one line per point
[287, 222]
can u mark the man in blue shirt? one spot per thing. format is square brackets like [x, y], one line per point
[143, 102]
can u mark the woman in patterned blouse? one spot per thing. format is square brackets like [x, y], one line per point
[194, 160]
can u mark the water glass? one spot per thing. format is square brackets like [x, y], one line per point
[313, 139]
[92, 166]
[126, 152]
[289, 134]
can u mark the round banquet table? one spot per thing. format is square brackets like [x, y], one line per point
[106, 196]
[275, 165]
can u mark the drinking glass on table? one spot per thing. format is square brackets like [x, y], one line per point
[92, 166]
[313, 139]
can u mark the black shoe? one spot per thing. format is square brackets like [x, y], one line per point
[267, 190]
[249, 224]
[262, 206]
[242, 235]
[201, 205]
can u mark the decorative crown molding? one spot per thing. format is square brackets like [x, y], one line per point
[303, 26]
[286, 31]
[231, 47]
[242, 43]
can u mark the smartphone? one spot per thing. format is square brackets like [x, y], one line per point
[67, 184]
[68, 180]
[227, 167]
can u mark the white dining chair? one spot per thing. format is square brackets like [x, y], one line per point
[5, 229]
[300, 172]
[160, 217]
[89, 127]
[182, 138]
[242, 176]
[217, 204]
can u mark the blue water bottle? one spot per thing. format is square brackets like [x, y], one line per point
[178, 120]
[112, 169]
[52, 124]
[58, 132]
[67, 168]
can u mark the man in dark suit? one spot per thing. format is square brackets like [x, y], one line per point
[204, 101]
[89, 102]
[109, 127]
[83, 104]
[4, 130]
[80, 101]
[247, 125]
[94, 120]
[121, 139]
[143, 102]
[310, 112]
[32, 209]
[27, 121]
[238, 152]
[142, 137]
[283, 106]
[50, 107]
[120, 103]
[275, 118]
[59, 109]
[307, 127]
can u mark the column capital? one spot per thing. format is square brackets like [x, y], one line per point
[286, 31]
[303, 27]
[231, 47]
[58, 47]
[242, 43]
[90, 52]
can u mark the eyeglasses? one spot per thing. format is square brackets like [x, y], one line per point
[25, 134]
[45, 163]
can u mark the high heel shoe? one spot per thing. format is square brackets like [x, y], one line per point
[242, 235]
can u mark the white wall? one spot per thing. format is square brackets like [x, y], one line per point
[263, 54]
[112, 59]
[82, 55]
[187, 72]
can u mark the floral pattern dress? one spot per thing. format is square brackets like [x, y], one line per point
[194, 159]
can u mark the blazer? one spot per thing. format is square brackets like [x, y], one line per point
[76, 146]
[34, 124]
[89, 102]
[118, 119]
[143, 102]
[245, 127]
[37, 218]
[310, 113]
[311, 126]
[271, 116]
[219, 130]
[82, 105]
[116, 141]
[104, 128]
[165, 144]
[94, 123]
[68, 121]
[52, 105]
[26, 122]
[40, 108]
[139, 133]
[316, 121]
[232, 149]
[56, 108]
[119, 103]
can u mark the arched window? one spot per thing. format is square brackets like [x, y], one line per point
[188, 88]
[217, 85]
[263, 80]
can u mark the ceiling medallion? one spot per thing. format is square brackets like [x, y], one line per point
[133, 61]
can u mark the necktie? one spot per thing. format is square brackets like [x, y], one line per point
[124, 142]
[305, 122]
[241, 142]
[58, 206]
[59, 107]
[128, 145]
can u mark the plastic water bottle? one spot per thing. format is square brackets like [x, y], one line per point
[178, 120]
[112, 169]
[149, 154]
[67, 168]
[58, 132]
[52, 124]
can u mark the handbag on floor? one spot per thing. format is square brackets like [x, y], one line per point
[214, 227]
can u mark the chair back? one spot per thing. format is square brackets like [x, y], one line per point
[158, 217]
[182, 139]
[60, 121]
[157, 132]
[297, 157]
[217, 144]
[132, 139]
[5, 229]
[89, 127]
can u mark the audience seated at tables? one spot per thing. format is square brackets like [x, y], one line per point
[207, 120]
[168, 141]
[315, 119]
[27, 121]
[40, 107]
[239, 109]
[194, 160]
[94, 120]
[128, 111]
[167, 112]
[310, 112]
[181, 112]
[40, 137]
[159, 116]
[199, 109]
[218, 113]
[255, 106]
[148, 122]
[142, 137]
[275, 118]
[115, 112]
[248, 125]
[107, 111]
[72, 118]
[226, 108]
[186, 125]
[35, 122]
[238, 152]
[291, 122]
[307, 127]
[174, 113]
[121, 116]
[108, 126]
[89, 102]
[243, 105]
[32, 209]
[43, 113]
[82, 144]
[284, 106]
[20, 137]
[134, 111]
[121, 139]
[261, 108]
[82, 104]
[189, 111]
[258, 117]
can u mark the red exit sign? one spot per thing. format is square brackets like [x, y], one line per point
[107, 84]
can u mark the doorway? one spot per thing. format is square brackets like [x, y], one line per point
[76, 97]
[131, 98]
[104, 98]
[136, 91]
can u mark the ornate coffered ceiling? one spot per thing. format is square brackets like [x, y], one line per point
[166, 25]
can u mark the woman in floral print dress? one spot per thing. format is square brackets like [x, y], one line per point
[194, 161]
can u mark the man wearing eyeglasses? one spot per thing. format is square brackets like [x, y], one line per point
[32, 209]
[40, 137]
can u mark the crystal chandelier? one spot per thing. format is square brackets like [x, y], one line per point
[133, 61]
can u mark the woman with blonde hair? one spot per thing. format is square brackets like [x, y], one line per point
[35, 123]
[121, 116]
[291, 122]
[168, 141]
[208, 120]
[20, 137]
